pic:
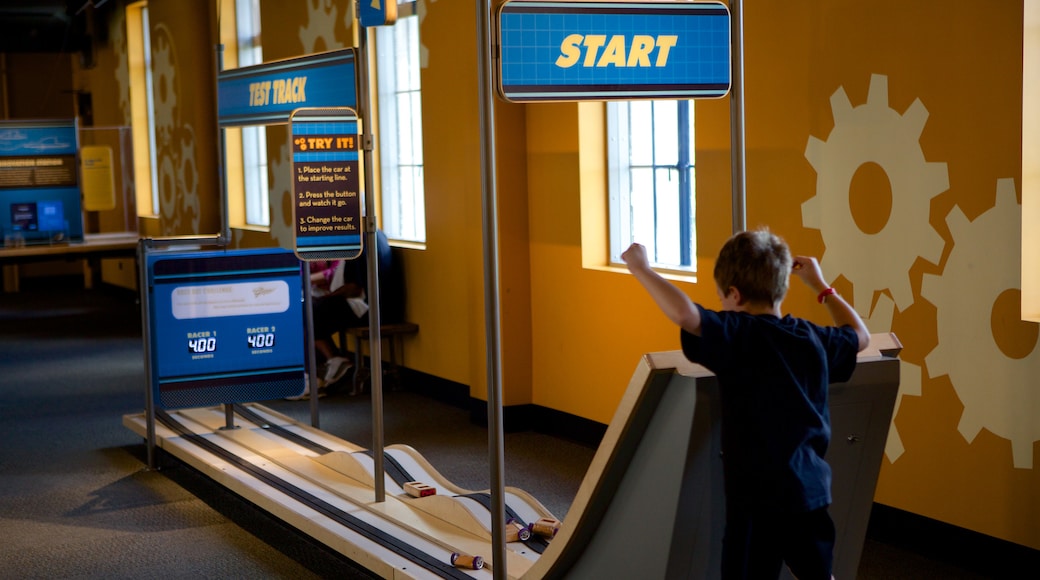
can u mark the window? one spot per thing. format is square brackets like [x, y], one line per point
[400, 130]
[652, 181]
[142, 108]
[254, 138]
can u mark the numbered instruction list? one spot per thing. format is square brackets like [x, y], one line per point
[325, 185]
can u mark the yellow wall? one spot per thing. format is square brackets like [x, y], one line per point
[881, 137]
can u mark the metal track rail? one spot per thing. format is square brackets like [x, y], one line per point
[428, 562]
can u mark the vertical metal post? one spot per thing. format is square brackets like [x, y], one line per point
[146, 337]
[308, 334]
[496, 448]
[229, 417]
[375, 339]
[225, 222]
[737, 149]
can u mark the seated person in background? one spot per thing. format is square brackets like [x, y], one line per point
[322, 272]
[346, 305]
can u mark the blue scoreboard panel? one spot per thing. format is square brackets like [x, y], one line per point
[226, 326]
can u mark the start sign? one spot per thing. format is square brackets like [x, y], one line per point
[582, 50]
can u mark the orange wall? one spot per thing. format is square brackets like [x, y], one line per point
[878, 137]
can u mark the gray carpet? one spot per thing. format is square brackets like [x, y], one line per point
[76, 499]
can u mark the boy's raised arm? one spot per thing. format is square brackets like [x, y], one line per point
[808, 269]
[676, 305]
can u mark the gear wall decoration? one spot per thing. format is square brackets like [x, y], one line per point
[164, 84]
[321, 26]
[281, 188]
[122, 70]
[873, 132]
[189, 212]
[909, 374]
[998, 391]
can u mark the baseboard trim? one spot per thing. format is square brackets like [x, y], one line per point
[515, 418]
[985, 555]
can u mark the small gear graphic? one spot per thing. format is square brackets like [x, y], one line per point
[164, 71]
[875, 133]
[321, 26]
[280, 176]
[188, 180]
[997, 389]
[909, 374]
[122, 71]
[424, 52]
[167, 186]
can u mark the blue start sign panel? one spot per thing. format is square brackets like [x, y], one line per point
[586, 50]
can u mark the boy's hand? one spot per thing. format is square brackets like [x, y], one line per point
[635, 257]
[808, 269]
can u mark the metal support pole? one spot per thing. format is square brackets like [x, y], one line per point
[229, 418]
[737, 148]
[225, 222]
[496, 448]
[146, 335]
[375, 339]
[308, 333]
[143, 247]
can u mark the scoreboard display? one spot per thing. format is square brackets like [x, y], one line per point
[226, 326]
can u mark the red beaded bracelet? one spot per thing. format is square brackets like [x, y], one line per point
[823, 295]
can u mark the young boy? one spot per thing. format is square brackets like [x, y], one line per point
[773, 374]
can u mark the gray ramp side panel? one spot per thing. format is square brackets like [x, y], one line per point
[634, 537]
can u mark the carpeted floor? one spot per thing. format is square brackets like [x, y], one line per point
[77, 501]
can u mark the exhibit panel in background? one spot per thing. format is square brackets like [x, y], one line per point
[39, 183]
[224, 326]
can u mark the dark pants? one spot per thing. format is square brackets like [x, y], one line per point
[331, 313]
[756, 544]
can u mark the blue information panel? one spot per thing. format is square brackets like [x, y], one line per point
[325, 166]
[226, 326]
[569, 51]
[40, 201]
[268, 93]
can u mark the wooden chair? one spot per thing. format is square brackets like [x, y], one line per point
[393, 333]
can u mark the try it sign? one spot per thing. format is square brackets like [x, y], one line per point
[596, 50]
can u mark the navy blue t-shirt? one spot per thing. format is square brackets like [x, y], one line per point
[773, 380]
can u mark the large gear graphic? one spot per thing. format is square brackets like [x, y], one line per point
[321, 26]
[909, 374]
[875, 133]
[424, 53]
[997, 390]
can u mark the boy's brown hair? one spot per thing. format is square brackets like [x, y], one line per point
[758, 263]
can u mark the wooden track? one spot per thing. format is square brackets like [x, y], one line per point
[650, 506]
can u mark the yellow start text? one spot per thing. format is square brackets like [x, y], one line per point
[616, 51]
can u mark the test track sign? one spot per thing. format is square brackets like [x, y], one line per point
[589, 50]
[268, 93]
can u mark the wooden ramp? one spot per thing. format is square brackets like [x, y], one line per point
[650, 506]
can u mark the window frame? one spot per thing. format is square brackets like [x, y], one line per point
[620, 167]
[142, 109]
[401, 160]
